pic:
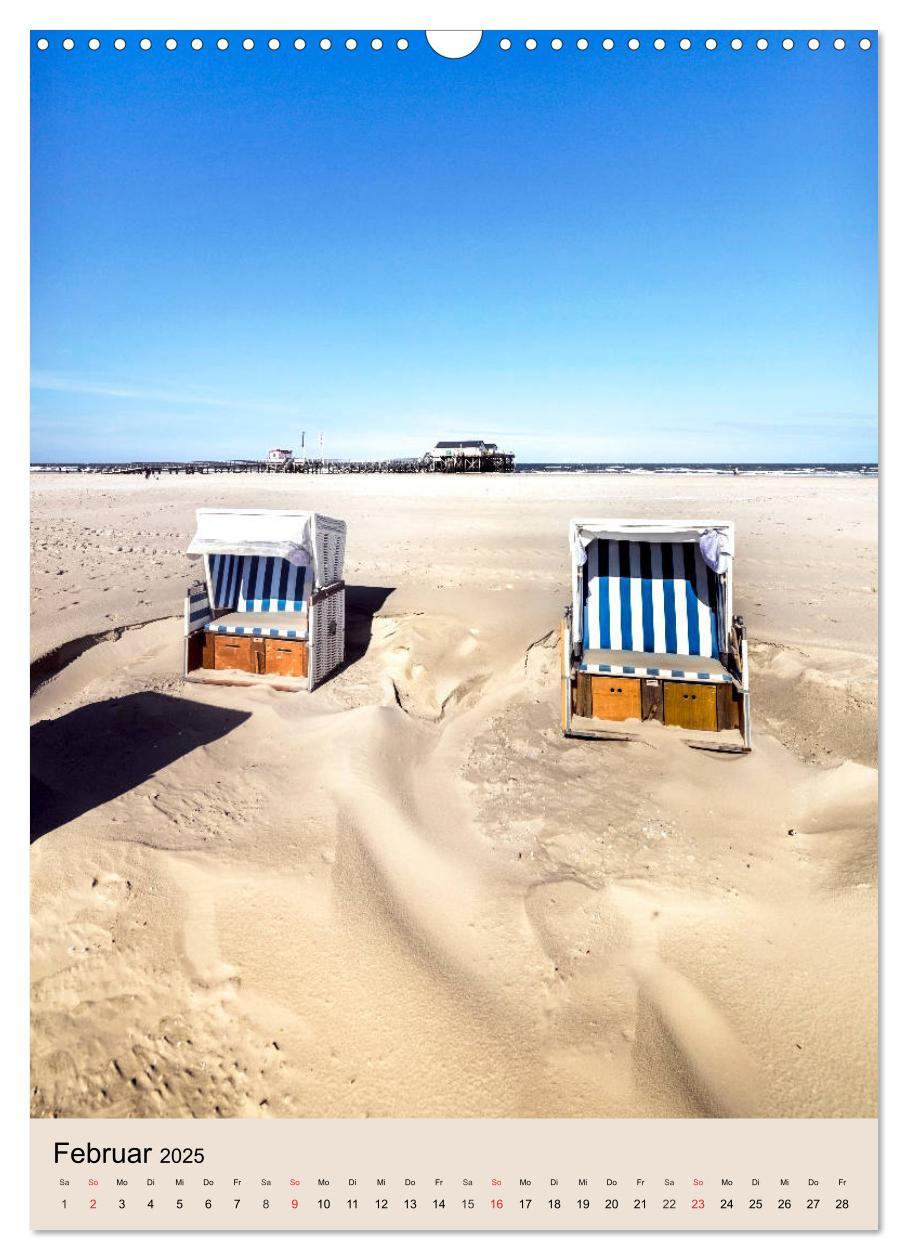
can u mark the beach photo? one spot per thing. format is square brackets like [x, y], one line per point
[453, 576]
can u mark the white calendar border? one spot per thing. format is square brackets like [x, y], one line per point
[771, 14]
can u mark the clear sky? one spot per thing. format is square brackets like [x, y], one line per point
[603, 255]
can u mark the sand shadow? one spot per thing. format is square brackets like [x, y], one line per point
[363, 602]
[98, 752]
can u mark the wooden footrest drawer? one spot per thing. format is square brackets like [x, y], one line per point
[615, 699]
[286, 656]
[255, 654]
[691, 705]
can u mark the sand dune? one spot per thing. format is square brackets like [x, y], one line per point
[406, 894]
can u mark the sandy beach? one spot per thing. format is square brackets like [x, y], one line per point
[406, 894]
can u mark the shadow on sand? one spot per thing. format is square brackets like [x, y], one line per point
[363, 602]
[98, 752]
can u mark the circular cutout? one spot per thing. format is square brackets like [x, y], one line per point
[557, 43]
[583, 44]
[684, 43]
[376, 43]
[170, 44]
[119, 44]
[788, 44]
[223, 43]
[451, 44]
[299, 43]
[42, 43]
[248, 44]
[762, 44]
[196, 43]
[633, 44]
[145, 44]
[608, 44]
[404, 44]
[274, 44]
[94, 44]
[505, 44]
[324, 44]
[531, 44]
[69, 44]
[659, 43]
[838, 43]
[865, 43]
[737, 44]
[712, 43]
[350, 44]
[813, 44]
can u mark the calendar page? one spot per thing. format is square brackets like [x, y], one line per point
[453, 626]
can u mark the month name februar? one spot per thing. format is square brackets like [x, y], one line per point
[90, 1154]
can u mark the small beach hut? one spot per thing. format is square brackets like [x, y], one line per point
[273, 597]
[650, 634]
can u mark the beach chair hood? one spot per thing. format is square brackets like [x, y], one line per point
[715, 539]
[289, 535]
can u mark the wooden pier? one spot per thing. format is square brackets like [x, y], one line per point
[497, 462]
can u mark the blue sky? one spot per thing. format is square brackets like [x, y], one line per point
[650, 255]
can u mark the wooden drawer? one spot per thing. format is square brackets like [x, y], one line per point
[615, 699]
[691, 705]
[234, 651]
[286, 656]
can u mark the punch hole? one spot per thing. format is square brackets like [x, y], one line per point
[684, 43]
[324, 44]
[299, 44]
[557, 44]
[659, 43]
[403, 44]
[119, 44]
[712, 44]
[170, 44]
[531, 44]
[865, 44]
[762, 44]
[350, 44]
[376, 43]
[43, 44]
[145, 44]
[633, 44]
[223, 43]
[451, 44]
[504, 44]
[274, 44]
[94, 44]
[583, 44]
[69, 44]
[608, 44]
[737, 44]
[196, 43]
[788, 44]
[248, 44]
[813, 44]
[838, 43]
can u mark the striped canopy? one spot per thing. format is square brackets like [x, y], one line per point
[258, 583]
[650, 596]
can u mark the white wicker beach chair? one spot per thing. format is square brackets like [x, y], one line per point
[273, 599]
[650, 633]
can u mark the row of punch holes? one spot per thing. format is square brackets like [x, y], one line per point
[530, 43]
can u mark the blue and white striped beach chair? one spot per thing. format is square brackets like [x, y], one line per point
[273, 600]
[650, 633]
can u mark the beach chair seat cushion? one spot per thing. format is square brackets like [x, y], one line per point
[655, 665]
[273, 625]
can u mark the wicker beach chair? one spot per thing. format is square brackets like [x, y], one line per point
[272, 601]
[650, 634]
